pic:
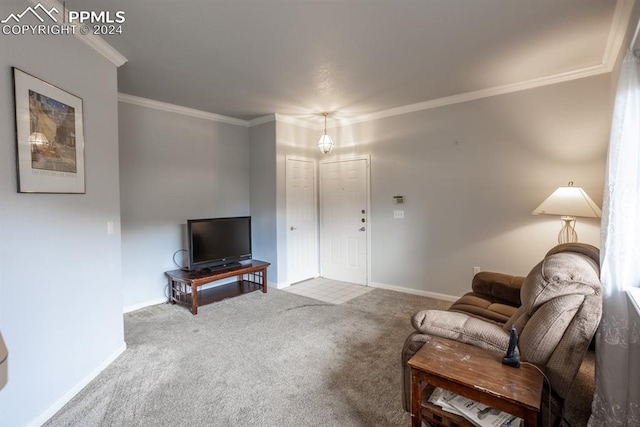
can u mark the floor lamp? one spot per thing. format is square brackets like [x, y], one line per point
[569, 202]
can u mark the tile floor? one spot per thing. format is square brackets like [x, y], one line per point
[327, 290]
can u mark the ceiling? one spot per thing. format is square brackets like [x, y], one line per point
[248, 58]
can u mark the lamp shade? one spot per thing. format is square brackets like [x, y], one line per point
[569, 201]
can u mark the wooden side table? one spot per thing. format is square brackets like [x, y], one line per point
[474, 373]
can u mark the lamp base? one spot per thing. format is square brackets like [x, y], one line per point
[568, 232]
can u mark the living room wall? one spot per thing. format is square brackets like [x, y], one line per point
[263, 196]
[471, 174]
[173, 167]
[61, 304]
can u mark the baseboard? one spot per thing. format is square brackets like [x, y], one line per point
[51, 411]
[135, 307]
[286, 284]
[279, 285]
[428, 294]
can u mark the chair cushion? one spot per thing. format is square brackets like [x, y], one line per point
[484, 307]
[503, 287]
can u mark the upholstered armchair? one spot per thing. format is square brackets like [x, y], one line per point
[560, 312]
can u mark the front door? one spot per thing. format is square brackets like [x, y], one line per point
[344, 220]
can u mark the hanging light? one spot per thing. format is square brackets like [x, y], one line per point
[325, 144]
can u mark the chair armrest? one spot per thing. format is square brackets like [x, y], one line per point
[463, 328]
[502, 286]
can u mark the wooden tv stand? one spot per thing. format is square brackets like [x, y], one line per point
[183, 285]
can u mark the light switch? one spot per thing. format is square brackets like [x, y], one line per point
[398, 214]
[109, 228]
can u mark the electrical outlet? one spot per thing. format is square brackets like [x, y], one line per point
[398, 214]
[476, 270]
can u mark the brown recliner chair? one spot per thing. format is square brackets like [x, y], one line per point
[560, 312]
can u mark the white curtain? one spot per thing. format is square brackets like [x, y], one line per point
[617, 397]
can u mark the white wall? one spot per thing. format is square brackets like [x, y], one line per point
[61, 299]
[471, 174]
[173, 167]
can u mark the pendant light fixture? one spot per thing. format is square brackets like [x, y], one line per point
[325, 144]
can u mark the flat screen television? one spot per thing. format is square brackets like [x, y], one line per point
[218, 242]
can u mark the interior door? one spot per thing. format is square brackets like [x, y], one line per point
[344, 220]
[302, 220]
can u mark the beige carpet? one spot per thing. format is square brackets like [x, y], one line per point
[275, 359]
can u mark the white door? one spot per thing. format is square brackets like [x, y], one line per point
[302, 223]
[344, 220]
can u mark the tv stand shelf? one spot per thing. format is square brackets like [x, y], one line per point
[183, 285]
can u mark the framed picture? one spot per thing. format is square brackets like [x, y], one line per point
[49, 137]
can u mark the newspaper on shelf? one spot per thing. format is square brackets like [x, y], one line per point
[477, 413]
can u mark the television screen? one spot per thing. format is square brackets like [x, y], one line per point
[218, 242]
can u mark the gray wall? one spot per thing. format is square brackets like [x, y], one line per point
[471, 174]
[263, 196]
[173, 167]
[61, 303]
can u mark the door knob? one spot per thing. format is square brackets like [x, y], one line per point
[361, 228]
[292, 228]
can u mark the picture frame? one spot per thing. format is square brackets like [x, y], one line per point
[49, 137]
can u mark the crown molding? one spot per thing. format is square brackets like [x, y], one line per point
[617, 32]
[483, 93]
[619, 26]
[95, 42]
[98, 44]
[172, 108]
[261, 120]
[405, 109]
[192, 112]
